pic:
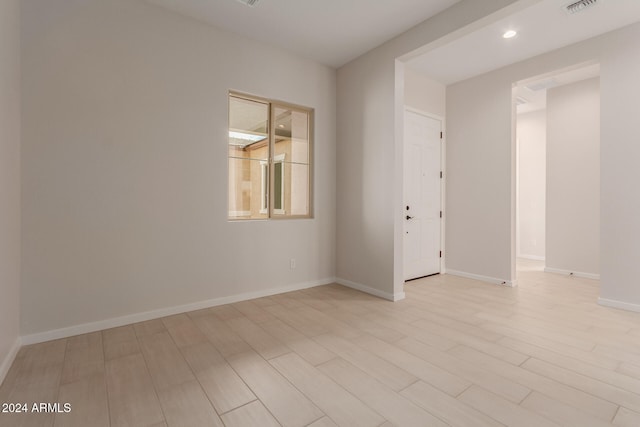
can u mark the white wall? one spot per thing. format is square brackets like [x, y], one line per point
[369, 129]
[424, 93]
[125, 164]
[573, 178]
[532, 140]
[9, 182]
[619, 55]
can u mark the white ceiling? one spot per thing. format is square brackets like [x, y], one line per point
[332, 32]
[533, 91]
[543, 27]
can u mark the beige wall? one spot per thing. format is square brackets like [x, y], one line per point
[479, 191]
[9, 182]
[619, 160]
[423, 93]
[125, 176]
[573, 178]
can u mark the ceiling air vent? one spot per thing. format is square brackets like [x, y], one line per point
[542, 85]
[249, 2]
[579, 6]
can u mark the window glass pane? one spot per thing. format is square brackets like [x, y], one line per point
[292, 134]
[278, 186]
[248, 128]
[247, 189]
[295, 190]
[264, 187]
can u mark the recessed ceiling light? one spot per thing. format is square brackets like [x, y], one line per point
[509, 34]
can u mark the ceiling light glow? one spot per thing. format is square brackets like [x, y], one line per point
[509, 34]
[246, 136]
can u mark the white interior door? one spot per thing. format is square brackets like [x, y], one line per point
[422, 195]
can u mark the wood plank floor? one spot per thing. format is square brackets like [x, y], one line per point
[456, 352]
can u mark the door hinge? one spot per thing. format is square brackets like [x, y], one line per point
[440, 135]
[440, 254]
[440, 174]
[440, 214]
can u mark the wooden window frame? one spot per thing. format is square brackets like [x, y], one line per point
[278, 214]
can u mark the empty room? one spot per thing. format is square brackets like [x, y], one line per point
[286, 213]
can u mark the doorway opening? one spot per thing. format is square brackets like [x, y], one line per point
[557, 149]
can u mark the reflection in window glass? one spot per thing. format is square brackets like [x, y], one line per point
[248, 145]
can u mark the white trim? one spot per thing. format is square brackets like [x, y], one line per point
[162, 312]
[572, 273]
[426, 114]
[9, 358]
[532, 257]
[397, 179]
[443, 191]
[517, 189]
[371, 291]
[508, 283]
[619, 304]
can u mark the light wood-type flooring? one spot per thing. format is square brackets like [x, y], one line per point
[456, 352]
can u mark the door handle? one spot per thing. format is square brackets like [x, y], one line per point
[409, 217]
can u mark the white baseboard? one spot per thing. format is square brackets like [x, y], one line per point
[572, 273]
[369, 290]
[502, 282]
[9, 358]
[619, 304]
[531, 257]
[162, 312]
